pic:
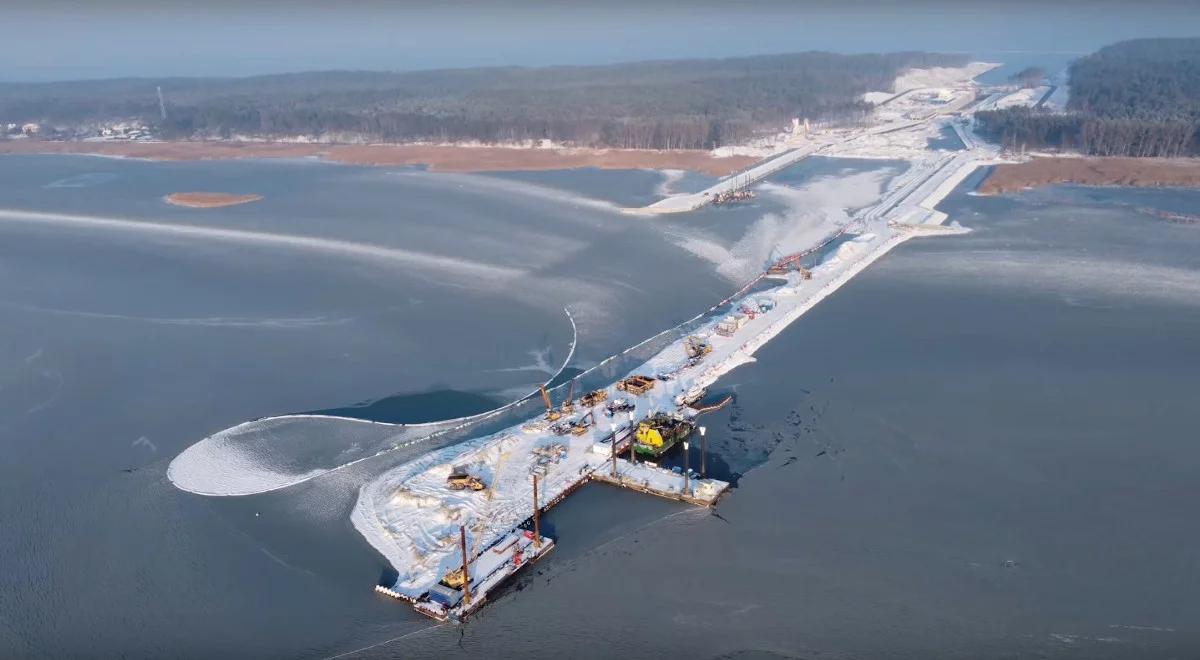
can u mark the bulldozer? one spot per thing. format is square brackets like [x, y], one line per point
[552, 415]
[460, 479]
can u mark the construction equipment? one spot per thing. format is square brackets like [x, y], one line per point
[454, 579]
[460, 479]
[568, 406]
[581, 426]
[552, 415]
[658, 433]
[787, 264]
[618, 406]
[636, 385]
[731, 324]
[696, 347]
[593, 398]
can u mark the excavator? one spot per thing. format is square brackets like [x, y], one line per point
[552, 415]
[786, 264]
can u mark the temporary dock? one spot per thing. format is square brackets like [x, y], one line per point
[488, 569]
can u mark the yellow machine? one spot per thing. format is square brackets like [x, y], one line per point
[552, 415]
[593, 398]
[460, 479]
[454, 579]
[658, 433]
[649, 436]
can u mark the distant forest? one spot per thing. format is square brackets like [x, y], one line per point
[681, 104]
[1134, 98]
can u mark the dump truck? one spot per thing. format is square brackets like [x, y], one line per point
[460, 479]
[636, 385]
[658, 433]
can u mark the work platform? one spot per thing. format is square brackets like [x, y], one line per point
[490, 568]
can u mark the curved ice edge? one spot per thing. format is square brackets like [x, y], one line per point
[192, 470]
[279, 480]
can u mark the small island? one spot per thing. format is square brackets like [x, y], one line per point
[209, 200]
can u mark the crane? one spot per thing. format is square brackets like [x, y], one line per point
[568, 406]
[552, 415]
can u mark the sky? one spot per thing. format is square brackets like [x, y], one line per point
[69, 39]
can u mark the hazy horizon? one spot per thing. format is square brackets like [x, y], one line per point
[59, 40]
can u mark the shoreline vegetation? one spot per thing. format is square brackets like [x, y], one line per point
[438, 158]
[1092, 171]
[208, 200]
[691, 104]
[1137, 98]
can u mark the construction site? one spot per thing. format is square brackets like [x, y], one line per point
[616, 436]
[460, 520]
[457, 520]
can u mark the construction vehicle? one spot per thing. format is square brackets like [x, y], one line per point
[787, 264]
[460, 479]
[454, 579]
[659, 432]
[581, 426]
[568, 406]
[552, 415]
[696, 347]
[618, 406]
[636, 385]
[593, 398]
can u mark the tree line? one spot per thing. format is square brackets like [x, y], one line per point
[1136, 98]
[676, 104]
